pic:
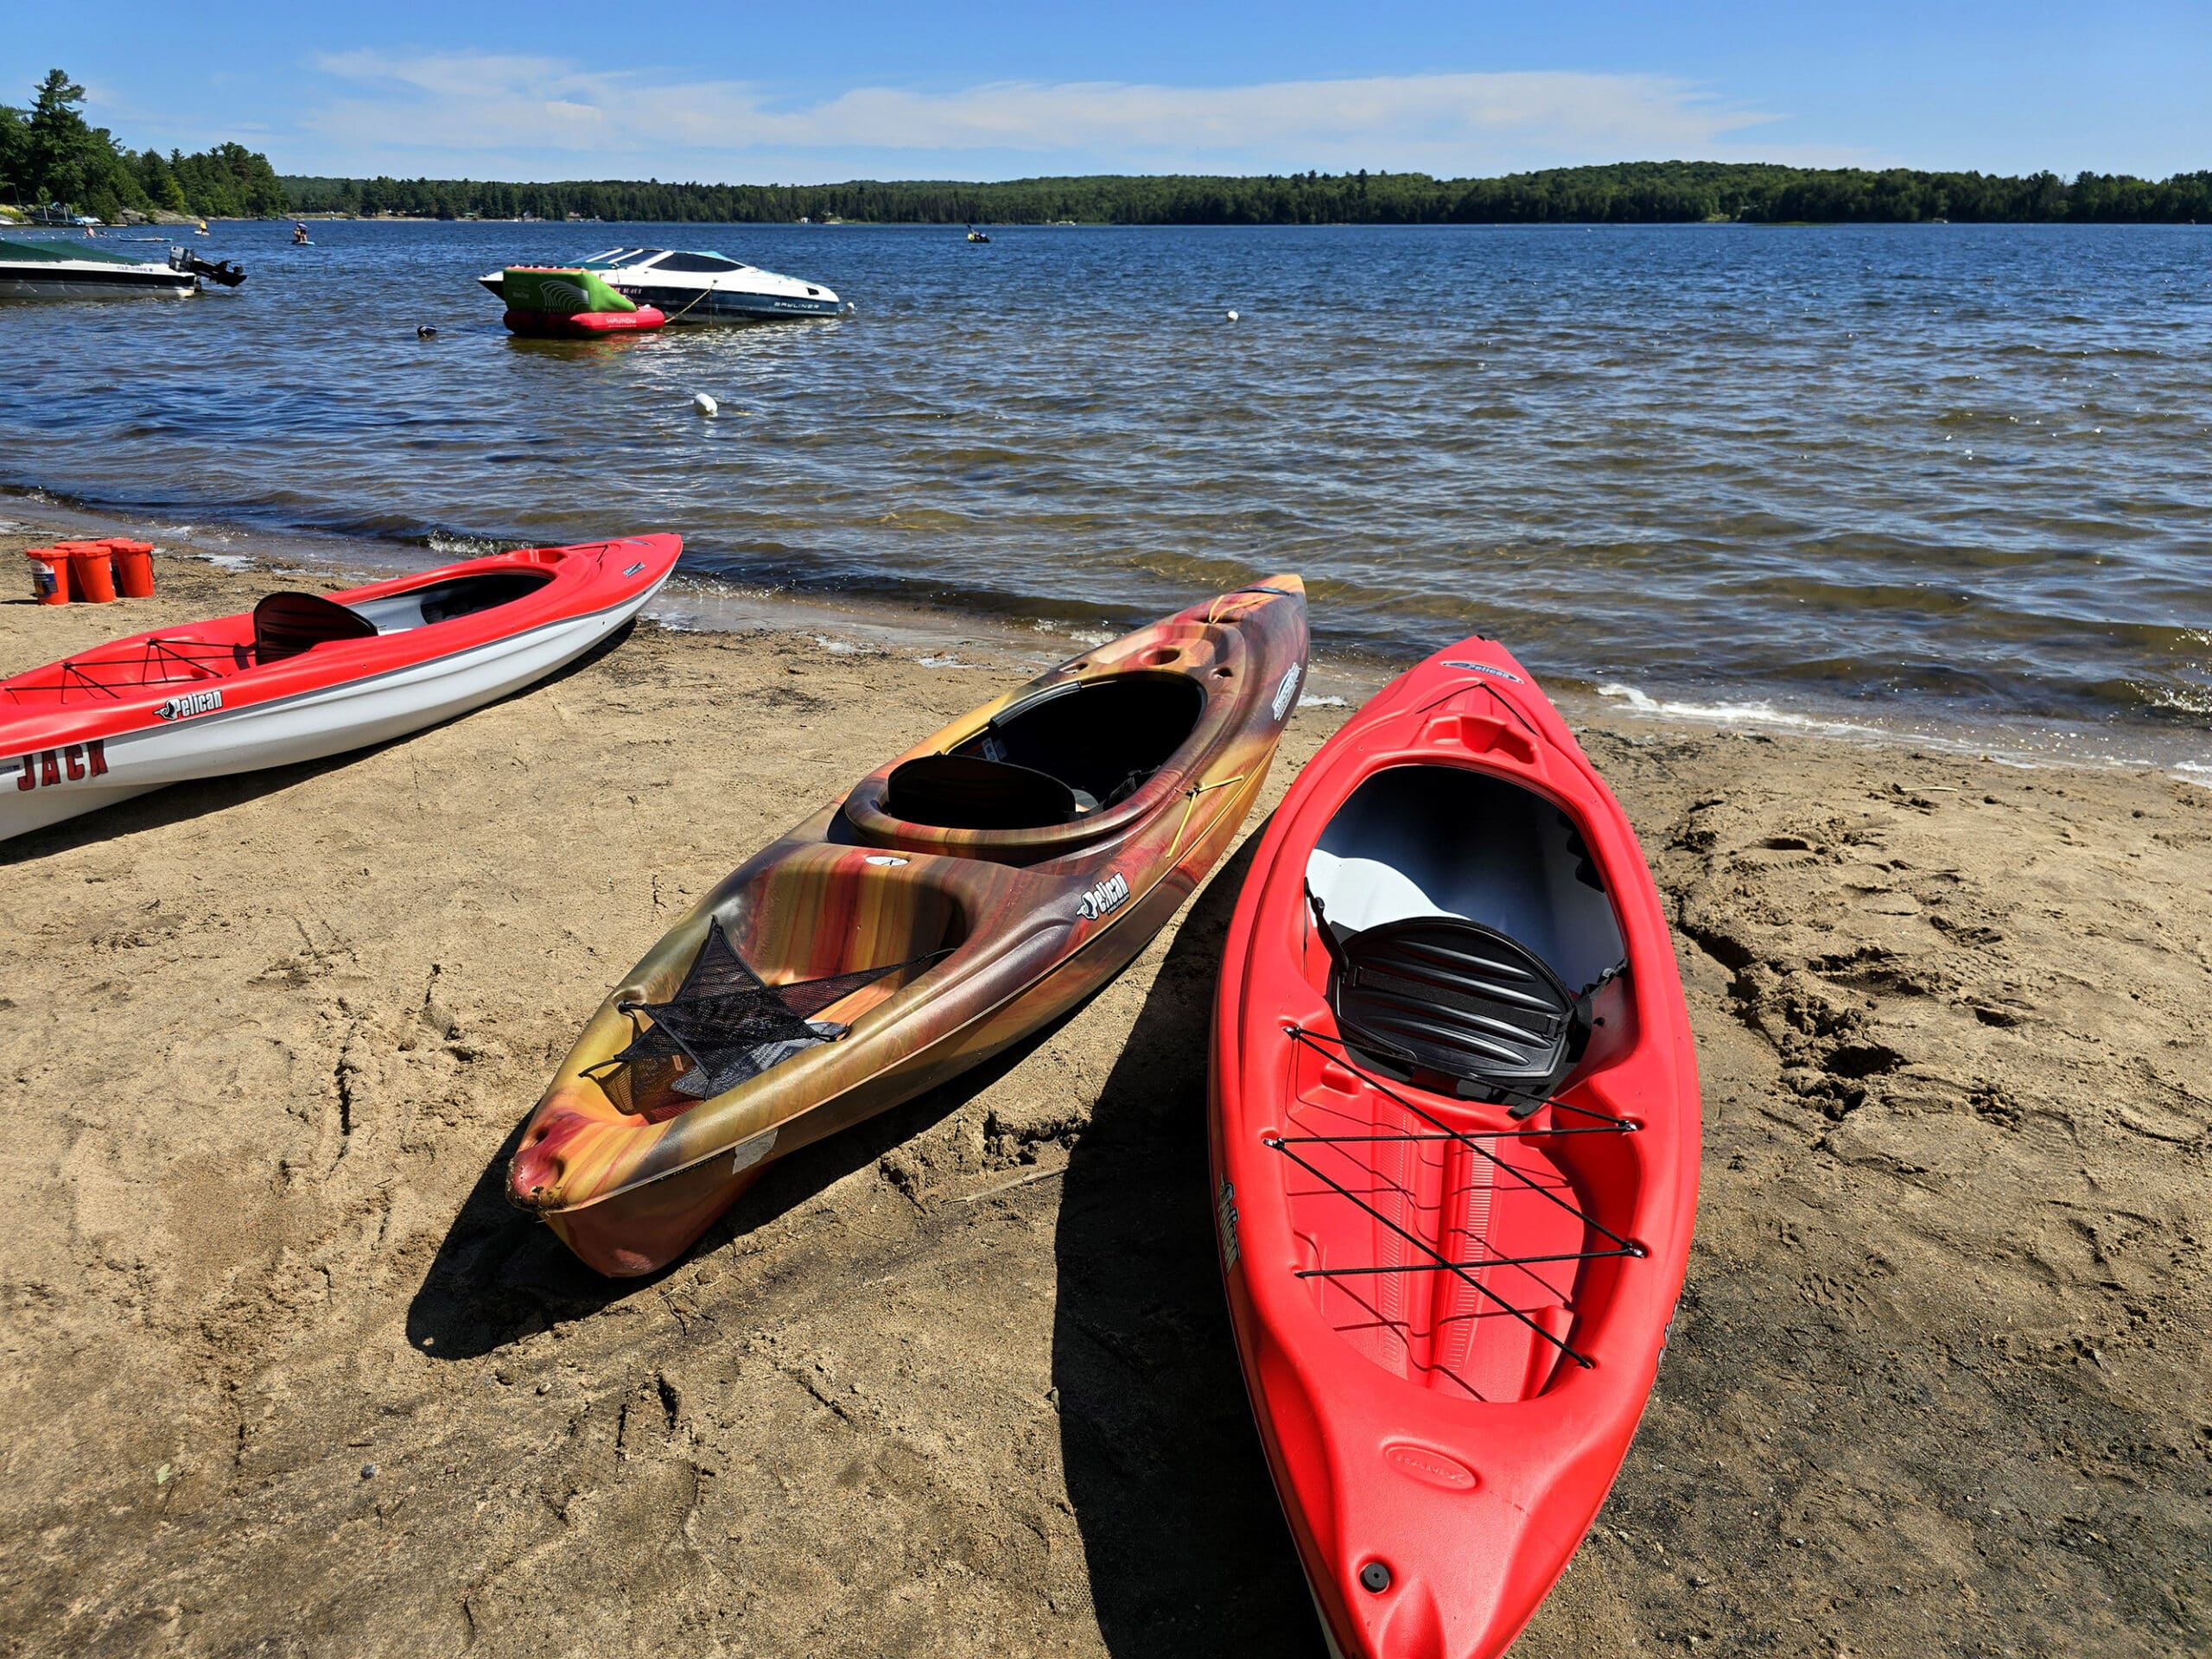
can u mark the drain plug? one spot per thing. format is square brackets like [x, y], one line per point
[1376, 1577]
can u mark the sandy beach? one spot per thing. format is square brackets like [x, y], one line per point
[285, 1376]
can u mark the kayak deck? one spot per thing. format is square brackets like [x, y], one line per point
[1449, 1246]
[819, 917]
[103, 675]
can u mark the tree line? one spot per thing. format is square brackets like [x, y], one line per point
[1628, 191]
[49, 152]
[49, 155]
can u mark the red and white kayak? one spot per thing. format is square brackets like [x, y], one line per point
[302, 676]
[1455, 1139]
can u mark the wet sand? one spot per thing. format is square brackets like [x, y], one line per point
[285, 1376]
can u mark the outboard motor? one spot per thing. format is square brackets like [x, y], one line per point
[220, 271]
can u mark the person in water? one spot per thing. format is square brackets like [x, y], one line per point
[299, 232]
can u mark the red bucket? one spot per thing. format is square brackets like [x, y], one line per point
[50, 575]
[92, 571]
[134, 567]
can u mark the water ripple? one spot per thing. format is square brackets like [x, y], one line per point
[1957, 472]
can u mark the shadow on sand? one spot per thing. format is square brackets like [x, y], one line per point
[1187, 1549]
[1185, 1545]
[178, 802]
[500, 1276]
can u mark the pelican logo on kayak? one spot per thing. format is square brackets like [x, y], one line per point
[1224, 1219]
[1426, 1463]
[1484, 668]
[1287, 689]
[71, 764]
[188, 703]
[634, 569]
[1104, 900]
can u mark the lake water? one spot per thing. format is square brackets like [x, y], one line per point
[1910, 475]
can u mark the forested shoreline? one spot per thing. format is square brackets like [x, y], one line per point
[1626, 192]
[50, 155]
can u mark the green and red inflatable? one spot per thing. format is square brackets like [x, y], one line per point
[563, 300]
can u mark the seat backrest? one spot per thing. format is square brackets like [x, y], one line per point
[966, 792]
[1443, 995]
[285, 625]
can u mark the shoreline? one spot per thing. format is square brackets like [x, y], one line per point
[284, 1368]
[714, 604]
[325, 216]
[840, 624]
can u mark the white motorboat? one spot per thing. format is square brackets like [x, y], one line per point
[76, 270]
[692, 286]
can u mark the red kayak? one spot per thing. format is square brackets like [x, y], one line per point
[302, 675]
[1455, 1139]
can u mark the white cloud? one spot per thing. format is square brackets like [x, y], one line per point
[475, 107]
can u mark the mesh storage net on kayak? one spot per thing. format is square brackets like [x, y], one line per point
[724, 1025]
[1401, 1215]
[106, 676]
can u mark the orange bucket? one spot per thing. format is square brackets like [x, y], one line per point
[134, 567]
[92, 571]
[50, 575]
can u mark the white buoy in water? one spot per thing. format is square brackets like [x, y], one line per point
[1232, 316]
[704, 404]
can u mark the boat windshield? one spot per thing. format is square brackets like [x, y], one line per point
[616, 258]
[704, 264]
[698, 263]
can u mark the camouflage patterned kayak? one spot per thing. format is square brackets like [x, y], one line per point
[961, 896]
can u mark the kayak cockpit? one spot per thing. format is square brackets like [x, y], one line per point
[1068, 752]
[1463, 939]
[1100, 738]
[1465, 930]
[442, 602]
[286, 624]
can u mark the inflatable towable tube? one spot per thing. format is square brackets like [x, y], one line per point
[549, 300]
[583, 323]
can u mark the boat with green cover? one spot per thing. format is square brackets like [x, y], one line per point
[56, 270]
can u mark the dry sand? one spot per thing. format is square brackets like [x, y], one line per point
[285, 1376]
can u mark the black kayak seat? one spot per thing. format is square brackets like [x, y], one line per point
[286, 624]
[1444, 995]
[966, 792]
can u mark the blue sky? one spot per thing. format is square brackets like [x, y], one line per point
[803, 93]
